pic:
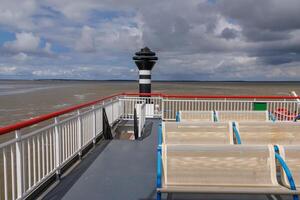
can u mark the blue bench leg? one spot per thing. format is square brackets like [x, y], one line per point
[158, 196]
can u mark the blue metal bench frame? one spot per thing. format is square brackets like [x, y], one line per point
[177, 116]
[272, 117]
[236, 133]
[286, 170]
[159, 162]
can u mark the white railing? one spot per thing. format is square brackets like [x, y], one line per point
[31, 158]
[171, 106]
[40, 149]
[166, 108]
[128, 104]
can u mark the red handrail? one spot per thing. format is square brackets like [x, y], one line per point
[209, 96]
[26, 123]
[30, 122]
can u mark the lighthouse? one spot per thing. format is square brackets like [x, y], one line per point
[145, 59]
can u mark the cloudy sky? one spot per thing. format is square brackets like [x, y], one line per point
[194, 39]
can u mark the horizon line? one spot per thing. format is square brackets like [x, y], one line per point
[133, 80]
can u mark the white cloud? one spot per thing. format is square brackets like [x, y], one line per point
[223, 24]
[17, 14]
[74, 9]
[86, 43]
[25, 42]
[7, 70]
[21, 57]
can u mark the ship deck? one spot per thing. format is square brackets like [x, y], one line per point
[116, 169]
[123, 169]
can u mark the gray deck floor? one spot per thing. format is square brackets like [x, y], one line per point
[122, 170]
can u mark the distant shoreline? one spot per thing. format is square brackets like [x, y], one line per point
[175, 81]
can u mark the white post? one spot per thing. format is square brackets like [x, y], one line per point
[79, 126]
[121, 111]
[94, 125]
[57, 147]
[19, 165]
[162, 108]
[140, 118]
[112, 111]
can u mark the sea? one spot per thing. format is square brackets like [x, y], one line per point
[24, 99]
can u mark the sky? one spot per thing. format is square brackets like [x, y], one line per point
[216, 40]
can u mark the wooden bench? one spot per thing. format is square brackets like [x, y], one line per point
[284, 133]
[196, 116]
[222, 116]
[223, 169]
[197, 133]
[241, 116]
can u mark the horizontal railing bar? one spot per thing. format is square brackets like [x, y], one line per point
[211, 96]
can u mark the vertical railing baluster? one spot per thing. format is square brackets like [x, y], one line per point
[12, 158]
[34, 159]
[47, 152]
[43, 155]
[5, 174]
[94, 125]
[57, 147]
[79, 125]
[51, 150]
[67, 139]
[29, 162]
[19, 165]
[38, 157]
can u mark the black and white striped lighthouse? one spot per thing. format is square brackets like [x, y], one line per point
[145, 60]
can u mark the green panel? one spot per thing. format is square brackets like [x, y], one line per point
[259, 106]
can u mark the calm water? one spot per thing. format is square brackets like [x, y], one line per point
[20, 100]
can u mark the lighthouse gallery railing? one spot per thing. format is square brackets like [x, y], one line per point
[38, 149]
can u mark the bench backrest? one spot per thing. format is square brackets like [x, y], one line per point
[219, 165]
[197, 133]
[241, 116]
[285, 133]
[196, 116]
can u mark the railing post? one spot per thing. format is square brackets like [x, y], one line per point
[162, 108]
[112, 111]
[79, 126]
[19, 165]
[94, 125]
[57, 148]
[121, 112]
